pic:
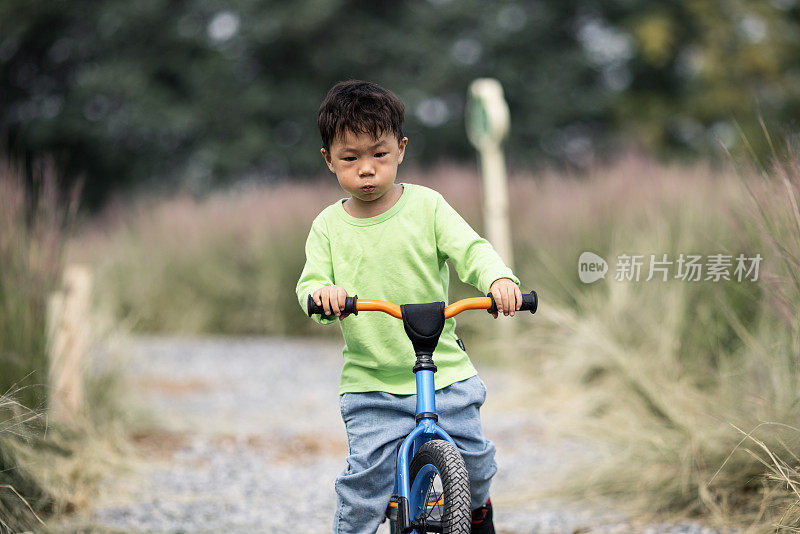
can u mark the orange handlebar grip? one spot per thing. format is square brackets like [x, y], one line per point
[380, 305]
[474, 303]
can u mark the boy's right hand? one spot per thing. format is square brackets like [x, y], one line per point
[332, 300]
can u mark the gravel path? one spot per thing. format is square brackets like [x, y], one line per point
[247, 437]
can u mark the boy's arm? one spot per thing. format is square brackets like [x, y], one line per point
[318, 270]
[474, 258]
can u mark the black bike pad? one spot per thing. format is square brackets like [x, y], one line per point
[424, 324]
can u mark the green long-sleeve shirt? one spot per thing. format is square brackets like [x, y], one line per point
[397, 256]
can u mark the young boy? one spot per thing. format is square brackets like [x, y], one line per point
[389, 241]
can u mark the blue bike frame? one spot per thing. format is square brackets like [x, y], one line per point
[426, 430]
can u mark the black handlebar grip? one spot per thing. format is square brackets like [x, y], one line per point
[493, 308]
[349, 306]
[312, 307]
[530, 301]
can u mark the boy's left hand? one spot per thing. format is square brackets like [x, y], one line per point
[506, 295]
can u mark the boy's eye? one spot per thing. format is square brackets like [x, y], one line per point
[380, 154]
[349, 158]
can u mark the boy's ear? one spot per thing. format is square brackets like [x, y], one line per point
[402, 146]
[327, 157]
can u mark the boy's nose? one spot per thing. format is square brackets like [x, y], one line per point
[366, 170]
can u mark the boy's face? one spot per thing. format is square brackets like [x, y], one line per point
[365, 167]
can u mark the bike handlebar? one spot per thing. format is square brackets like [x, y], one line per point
[353, 305]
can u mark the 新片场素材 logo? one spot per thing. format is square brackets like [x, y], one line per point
[686, 267]
[591, 267]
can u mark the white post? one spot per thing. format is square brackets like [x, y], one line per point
[487, 125]
[68, 341]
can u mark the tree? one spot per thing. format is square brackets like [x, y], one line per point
[203, 92]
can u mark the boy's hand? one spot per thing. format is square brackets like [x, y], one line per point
[331, 298]
[506, 295]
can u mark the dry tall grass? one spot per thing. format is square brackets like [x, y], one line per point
[32, 239]
[670, 376]
[223, 265]
[45, 469]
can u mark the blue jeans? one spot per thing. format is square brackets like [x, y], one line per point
[376, 422]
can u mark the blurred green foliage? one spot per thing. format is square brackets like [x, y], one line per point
[202, 92]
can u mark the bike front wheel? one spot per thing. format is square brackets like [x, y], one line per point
[445, 489]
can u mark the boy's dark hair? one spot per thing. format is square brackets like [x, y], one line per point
[362, 108]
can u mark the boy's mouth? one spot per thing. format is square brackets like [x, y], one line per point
[368, 188]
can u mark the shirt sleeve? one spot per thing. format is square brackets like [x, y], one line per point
[474, 258]
[318, 270]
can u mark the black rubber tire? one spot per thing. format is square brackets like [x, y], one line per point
[457, 515]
